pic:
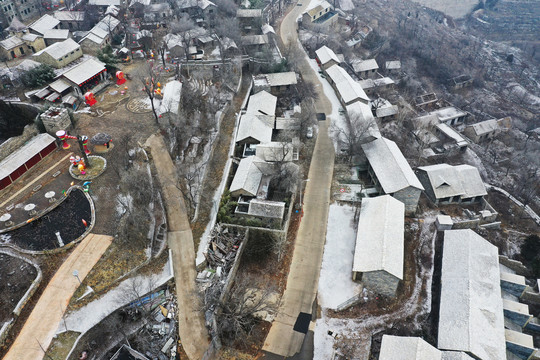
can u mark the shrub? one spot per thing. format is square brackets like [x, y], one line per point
[38, 76]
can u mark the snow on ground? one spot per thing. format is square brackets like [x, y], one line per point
[91, 314]
[335, 282]
[123, 202]
[337, 120]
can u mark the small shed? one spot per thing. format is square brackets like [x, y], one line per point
[102, 143]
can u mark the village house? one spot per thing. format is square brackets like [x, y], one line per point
[379, 252]
[44, 23]
[20, 161]
[102, 5]
[348, 90]
[391, 173]
[55, 35]
[383, 110]
[157, 13]
[450, 115]
[21, 42]
[274, 83]
[361, 116]
[85, 76]
[275, 151]
[254, 44]
[470, 300]
[262, 103]
[250, 19]
[447, 184]
[326, 57]
[370, 86]
[365, 68]
[199, 10]
[254, 129]
[487, 130]
[100, 35]
[59, 54]
[71, 20]
[319, 13]
[461, 81]
[407, 348]
[393, 67]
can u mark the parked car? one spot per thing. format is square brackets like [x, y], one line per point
[309, 132]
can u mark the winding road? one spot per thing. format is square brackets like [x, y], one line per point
[303, 279]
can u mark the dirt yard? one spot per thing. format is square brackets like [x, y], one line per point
[16, 276]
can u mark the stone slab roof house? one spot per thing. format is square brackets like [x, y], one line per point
[100, 35]
[455, 355]
[488, 129]
[254, 129]
[54, 35]
[71, 20]
[275, 151]
[326, 57]
[248, 177]
[249, 13]
[447, 184]
[365, 68]
[471, 310]
[393, 66]
[407, 348]
[44, 23]
[450, 115]
[275, 82]
[347, 89]
[59, 54]
[391, 172]
[82, 74]
[266, 209]
[262, 103]
[363, 117]
[319, 12]
[379, 252]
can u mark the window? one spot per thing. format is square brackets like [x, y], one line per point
[21, 50]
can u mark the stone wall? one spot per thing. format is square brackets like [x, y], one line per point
[54, 119]
[381, 282]
[14, 143]
[409, 196]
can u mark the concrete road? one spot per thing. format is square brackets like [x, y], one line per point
[41, 325]
[303, 278]
[192, 329]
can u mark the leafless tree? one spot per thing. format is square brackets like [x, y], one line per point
[358, 130]
[132, 292]
[226, 27]
[149, 79]
[184, 27]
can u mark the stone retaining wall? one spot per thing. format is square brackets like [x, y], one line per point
[14, 143]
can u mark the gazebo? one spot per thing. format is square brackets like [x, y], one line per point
[102, 142]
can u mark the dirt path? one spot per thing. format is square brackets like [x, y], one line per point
[42, 323]
[303, 278]
[192, 330]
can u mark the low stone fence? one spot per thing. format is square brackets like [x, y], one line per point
[515, 265]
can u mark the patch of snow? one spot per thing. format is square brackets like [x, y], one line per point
[88, 316]
[5, 238]
[346, 5]
[335, 282]
[123, 203]
[86, 110]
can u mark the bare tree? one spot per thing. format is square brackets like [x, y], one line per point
[226, 27]
[149, 80]
[357, 131]
[184, 27]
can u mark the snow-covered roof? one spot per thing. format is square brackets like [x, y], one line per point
[448, 181]
[249, 13]
[11, 42]
[112, 10]
[485, 127]
[171, 97]
[348, 89]
[56, 34]
[275, 151]
[266, 208]
[185, 4]
[25, 153]
[254, 39]
[262, 103]
[390, 166]
[455, 355]
[325, 54]
[267, 28]
[44, 23]
[393, 65]
[364, 65]
[380, 236]
[142, 2]
[59, 86]
[448, 113]
[59, 49]
[105, 2]
[16, 25]
[386, 111]
[407, 348]
[316, 6]
[258, 127]
[453, 134]
[84, 71]
[282, 79]
[361, 115]
[94, 38]
[69, 15]
[172, 40]
[283, 123]
[247, 177]
[30, 37]
[471, 312]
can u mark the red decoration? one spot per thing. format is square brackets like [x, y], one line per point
[120, 79]
[90, 99]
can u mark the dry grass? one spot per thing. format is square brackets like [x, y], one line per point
[61, 345]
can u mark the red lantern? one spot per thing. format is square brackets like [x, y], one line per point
[120, 79]
[90, 99]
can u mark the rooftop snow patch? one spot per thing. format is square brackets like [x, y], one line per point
[380, 237]
[262, 103]
[324, 54]
[44, 23]
[390, 166]
[348, 89]
[471, 310]
[407, 348]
